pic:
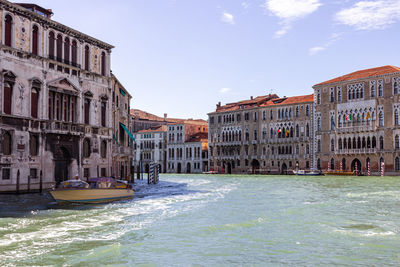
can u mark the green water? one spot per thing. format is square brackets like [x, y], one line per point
[199, 220]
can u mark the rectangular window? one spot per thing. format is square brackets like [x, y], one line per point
[103, 172]
[86, 173]
[33, 173]
[87, 110]
[6, 175]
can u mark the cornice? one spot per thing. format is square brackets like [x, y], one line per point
[48, 23]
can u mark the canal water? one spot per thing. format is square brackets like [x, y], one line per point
[200, 220]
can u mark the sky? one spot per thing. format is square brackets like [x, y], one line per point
[182, 57]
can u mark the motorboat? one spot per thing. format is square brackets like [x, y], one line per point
[308, 172]
[95, 190]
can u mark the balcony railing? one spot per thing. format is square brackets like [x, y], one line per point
[357, 151]
[351, 127]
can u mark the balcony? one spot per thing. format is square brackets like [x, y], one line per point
[356, 127]
[357, 151]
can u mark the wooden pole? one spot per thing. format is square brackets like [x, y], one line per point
[29, 183]
[41, 182]
[18, 182]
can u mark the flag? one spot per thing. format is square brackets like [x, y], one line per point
[349, 117]
[287, 132]
[279, 130]
[368, 116]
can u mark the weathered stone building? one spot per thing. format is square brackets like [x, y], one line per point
[55, 100]
[123, 140]
[266, 134]
[357, 118]
[187, 148]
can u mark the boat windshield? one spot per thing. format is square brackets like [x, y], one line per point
[74, 184]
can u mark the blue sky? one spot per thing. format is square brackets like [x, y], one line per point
[181, 57]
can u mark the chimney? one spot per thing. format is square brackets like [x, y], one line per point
[165, 116]
[219, 105]
[251, 97]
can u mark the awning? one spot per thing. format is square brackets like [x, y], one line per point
[116, 140]
[127, 131]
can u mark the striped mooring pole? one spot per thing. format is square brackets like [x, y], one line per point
[382, 165]
[369, 169]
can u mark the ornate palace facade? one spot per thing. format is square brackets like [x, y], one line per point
[357, 115]
[266, 134]
[55, 100]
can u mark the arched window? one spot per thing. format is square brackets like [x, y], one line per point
[35, 40]
[87, 110]
[332, 123]
[350, 95]
[103, 113]
[8, 30]
[368, 142]
[380, 88]
[66, 51]
[354, 143]
[319, 145]
[372, 85]
[103, 149]
[7, 101]
[340, 144]
[307, 110]
[349, 144]
[297, 130]
[87, 57]
[51, 45]
[396, 141]
[361, 93]
[319, 124]
[7, 144]
[363, 143]
[308, 130]
[339, 95]
[86, 148]
[103, 63]
[34, 102]
[59, 47]
[33, 145]
[332, 145]
[344, 143]
[74, 53]
[297, 111]
[332, 164]
[397, 164]
[318, 164]
[343, 164]
[373, 142]
[381, 118]
[359, 142]
[353, 94]
[332, 96]
[396, 117]
[395, 86]
[381, 144]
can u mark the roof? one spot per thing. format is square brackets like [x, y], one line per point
[290, 100]
[198, 137]
[192, 122]
[363, 74]
[249, 103]
[143, 115]
[162, 128]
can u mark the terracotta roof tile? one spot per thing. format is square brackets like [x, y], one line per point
[290, 100]
[255, 102]
[162, 128]
[363, 74]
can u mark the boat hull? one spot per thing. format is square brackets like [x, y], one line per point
[91, 195]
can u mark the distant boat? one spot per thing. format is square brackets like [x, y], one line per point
[210, 172]
[308, 172]
[96, 190]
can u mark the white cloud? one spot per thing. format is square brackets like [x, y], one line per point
[228, 18]
[316, 49]
[370, 15]
[289, 11]
[332, 39]
[245, 4]
[224, 90]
